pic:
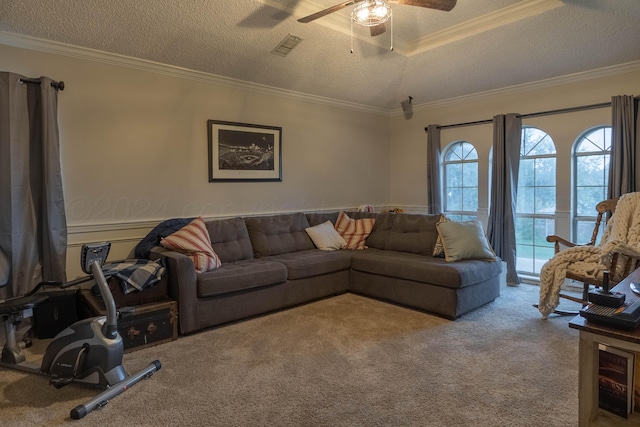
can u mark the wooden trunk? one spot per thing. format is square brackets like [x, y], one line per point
[150, 324]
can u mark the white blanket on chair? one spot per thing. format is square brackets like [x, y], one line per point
[621, 235]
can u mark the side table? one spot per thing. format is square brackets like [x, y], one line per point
[591, 334]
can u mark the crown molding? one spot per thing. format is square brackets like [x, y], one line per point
[49, 46]
[612, 70]
[507, 15]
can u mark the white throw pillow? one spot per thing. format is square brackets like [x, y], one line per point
[325, 237]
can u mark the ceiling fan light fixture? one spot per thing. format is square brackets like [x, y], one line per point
[370, 13]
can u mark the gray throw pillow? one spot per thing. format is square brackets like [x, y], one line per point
[464, 240]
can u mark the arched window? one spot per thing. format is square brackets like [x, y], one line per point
[460, 172]
[536, 204]
[591, 153]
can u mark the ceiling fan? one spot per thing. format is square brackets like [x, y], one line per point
[374, 13]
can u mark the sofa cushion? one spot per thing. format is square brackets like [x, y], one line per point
[354, 231]
[378, 237]
[415, 234]
[230, 239]
[325, 237]
[380, 230]
[240, 276]
[316, 218]
[193, 240]
[278, 234]
[465, 240]
[425, 269]
[313, 263]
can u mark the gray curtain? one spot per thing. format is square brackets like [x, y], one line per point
[625, 155]
[434, 191]
[33, 228]
[507, 136]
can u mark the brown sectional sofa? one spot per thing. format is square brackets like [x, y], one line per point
[270, 262]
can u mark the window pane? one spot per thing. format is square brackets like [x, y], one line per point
[587, 198]
[525, 203]
[453, 154]
[591, 170]
[584, 230]
[469, 151]
[530, 137]
[545, 170]
[543, 228]
[454, 199]
[595, 141]
[470, 174]
[470, 199]
[454, 175]
[526, 172]
[524, 230]
[600, 231]
[545, 200]
[524, 259]
[542, 255]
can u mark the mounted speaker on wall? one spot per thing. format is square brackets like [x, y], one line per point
[407, 107]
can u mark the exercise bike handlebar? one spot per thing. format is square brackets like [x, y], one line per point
[110, 327]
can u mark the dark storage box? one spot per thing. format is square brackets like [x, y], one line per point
[148, 325]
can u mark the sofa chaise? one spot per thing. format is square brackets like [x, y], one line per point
[267, 263]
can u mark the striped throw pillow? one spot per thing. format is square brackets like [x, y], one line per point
[354, 231]
[193, 240]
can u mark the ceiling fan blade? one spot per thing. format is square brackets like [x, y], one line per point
[327, 11]
[445, 5]
[376, 30]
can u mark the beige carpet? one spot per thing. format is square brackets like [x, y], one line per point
[343, 361]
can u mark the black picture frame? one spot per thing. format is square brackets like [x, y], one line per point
[244, 152]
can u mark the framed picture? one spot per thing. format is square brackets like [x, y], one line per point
[244, 152]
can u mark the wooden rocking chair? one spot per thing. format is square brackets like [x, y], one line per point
[616, 274]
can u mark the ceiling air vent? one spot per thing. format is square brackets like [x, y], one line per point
[286, 45]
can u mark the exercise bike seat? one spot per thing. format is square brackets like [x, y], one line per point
[17, 305]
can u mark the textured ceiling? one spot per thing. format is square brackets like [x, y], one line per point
[480, 45]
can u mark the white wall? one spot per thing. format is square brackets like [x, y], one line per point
[134, 142]
[134, 149]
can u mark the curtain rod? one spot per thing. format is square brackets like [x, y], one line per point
[56, 85]
[541, 113]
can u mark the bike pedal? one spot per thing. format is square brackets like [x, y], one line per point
[60, 382]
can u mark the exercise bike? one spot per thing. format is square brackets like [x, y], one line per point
[89, 351]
